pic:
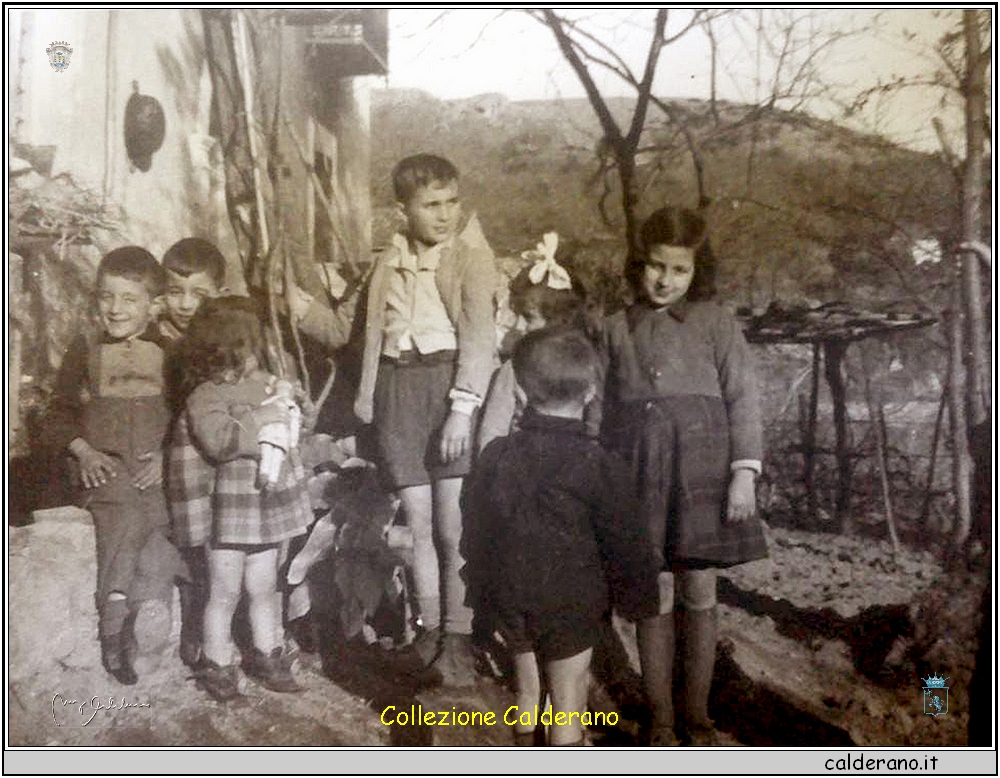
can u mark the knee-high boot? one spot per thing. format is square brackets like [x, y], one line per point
[192, 616]
[193, 596]
[656, 654]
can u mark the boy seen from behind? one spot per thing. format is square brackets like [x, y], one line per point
[550, 531]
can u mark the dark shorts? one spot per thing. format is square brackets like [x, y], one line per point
[411, 405]
[550, 635]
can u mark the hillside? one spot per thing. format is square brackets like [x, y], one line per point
[800, 207]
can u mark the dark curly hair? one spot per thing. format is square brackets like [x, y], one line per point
[222, 334]
[676, 226]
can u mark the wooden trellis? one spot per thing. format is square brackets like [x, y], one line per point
[830, 329]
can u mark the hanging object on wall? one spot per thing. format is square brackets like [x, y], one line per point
[145, 126]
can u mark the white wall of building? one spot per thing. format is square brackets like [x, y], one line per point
[81, 112]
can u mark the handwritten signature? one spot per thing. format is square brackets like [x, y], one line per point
[88, 709]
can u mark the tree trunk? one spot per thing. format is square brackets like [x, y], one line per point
[925, 511]
[626, 171]
[972, 226]
[961, 465]
[876, 418]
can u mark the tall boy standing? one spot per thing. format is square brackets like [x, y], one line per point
[108, 411]
[429, 351]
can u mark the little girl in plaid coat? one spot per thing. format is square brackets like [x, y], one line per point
[242, 421]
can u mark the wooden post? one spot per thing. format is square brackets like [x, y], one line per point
[925, 512]
[14, 395]
[352, 169]
[875, 416]
[311, 189]
[809, 444]
[342, 108]
[243, 70]
[834, 355]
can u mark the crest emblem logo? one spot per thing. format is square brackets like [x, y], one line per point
[59, 53]
[935, 695]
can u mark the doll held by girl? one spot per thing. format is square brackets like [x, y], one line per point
[245, 422]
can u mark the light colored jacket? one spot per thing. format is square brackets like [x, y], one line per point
[467, 282]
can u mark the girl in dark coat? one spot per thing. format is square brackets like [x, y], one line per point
[681, 404]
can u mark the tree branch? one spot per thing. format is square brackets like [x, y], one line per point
[619, 68]
[646, 86]
[608, 124]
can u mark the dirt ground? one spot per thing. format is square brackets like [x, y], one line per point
[825, 643]
[846, 632]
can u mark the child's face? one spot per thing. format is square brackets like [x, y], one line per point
[186, 294]
[125, 307]
[667, 274]
[533, 319]
[432, 213]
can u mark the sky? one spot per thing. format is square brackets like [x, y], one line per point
[467, 52]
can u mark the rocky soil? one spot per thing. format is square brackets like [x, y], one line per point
[825, 643]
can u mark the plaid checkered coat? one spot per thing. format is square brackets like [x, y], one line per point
[190, 481]
[219, 428]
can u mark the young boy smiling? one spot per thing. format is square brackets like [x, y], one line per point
[196, 271]
[108, 411]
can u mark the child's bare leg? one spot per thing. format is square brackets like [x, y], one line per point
[457, 616]
[419, 508]
[279, 597]
[456, 663]
[260, 577]
[528, 684]
[267, 662]
[567, 681]
[225, 574]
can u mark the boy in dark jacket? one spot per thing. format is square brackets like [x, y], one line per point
[550, 532]
[108, 410]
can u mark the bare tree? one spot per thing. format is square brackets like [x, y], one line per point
[976, 123]
[961, 60]
[584, 50]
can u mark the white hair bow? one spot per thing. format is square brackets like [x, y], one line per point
[546, 268]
